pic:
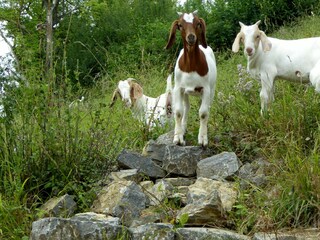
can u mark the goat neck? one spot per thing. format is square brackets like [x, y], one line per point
[255, 60]
[193, 60]
[192, 32]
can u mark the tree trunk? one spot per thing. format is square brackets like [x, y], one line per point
[49, 45]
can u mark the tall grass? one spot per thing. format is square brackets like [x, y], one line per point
[49, 149]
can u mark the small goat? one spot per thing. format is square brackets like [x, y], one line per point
[148, 110]
[195, 74]
[271, 58]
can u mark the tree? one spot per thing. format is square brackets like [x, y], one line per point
[51, 9]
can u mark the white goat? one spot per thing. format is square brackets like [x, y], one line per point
[195, 74]
[151, 111]
[271, 58]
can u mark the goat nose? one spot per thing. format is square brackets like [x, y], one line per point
[191, 38]
[249, 50]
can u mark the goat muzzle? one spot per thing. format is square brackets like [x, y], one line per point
[249, 51]
[191, 39]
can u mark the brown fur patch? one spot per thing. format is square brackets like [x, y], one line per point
[136, 91]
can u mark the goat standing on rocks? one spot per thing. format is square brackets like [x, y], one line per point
[195, 74]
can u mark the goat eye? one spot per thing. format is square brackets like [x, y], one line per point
[258, 36]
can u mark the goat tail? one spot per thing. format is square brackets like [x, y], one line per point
[169, 83]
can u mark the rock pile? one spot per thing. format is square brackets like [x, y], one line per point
[168, 192]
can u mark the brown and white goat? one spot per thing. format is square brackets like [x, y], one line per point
[195, 74]
[151, 111]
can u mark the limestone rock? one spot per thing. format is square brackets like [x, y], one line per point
[208, 202]
[145, 165]
[89, 226]
[298, 234]
[63, 206]
[166, 139]
[123, 199]
[220, 166]
[155, 151]
[203, 188]
[254, 173]
[180, 181]
[206, 212]
[183, 161]
[161, 190]
[153, 231]
[152, 214]
[128, 174]
[208, 233]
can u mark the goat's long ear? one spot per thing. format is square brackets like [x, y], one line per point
[266, 44]
[172, 36]
[114, 97]
[203, 40]
[236, 43]
[136, 91]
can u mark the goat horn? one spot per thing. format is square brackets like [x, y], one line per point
[257, 23]
[180, 14]
[195, 12]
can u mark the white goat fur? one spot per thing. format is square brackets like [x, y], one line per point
[271, 58]
[151, 111]
[190, 82]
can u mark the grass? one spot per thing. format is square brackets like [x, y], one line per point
[48, 149]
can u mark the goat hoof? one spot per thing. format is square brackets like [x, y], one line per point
[178, 140]
[204, 147]
[203, 142]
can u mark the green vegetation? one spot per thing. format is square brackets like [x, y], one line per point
[48, 149]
